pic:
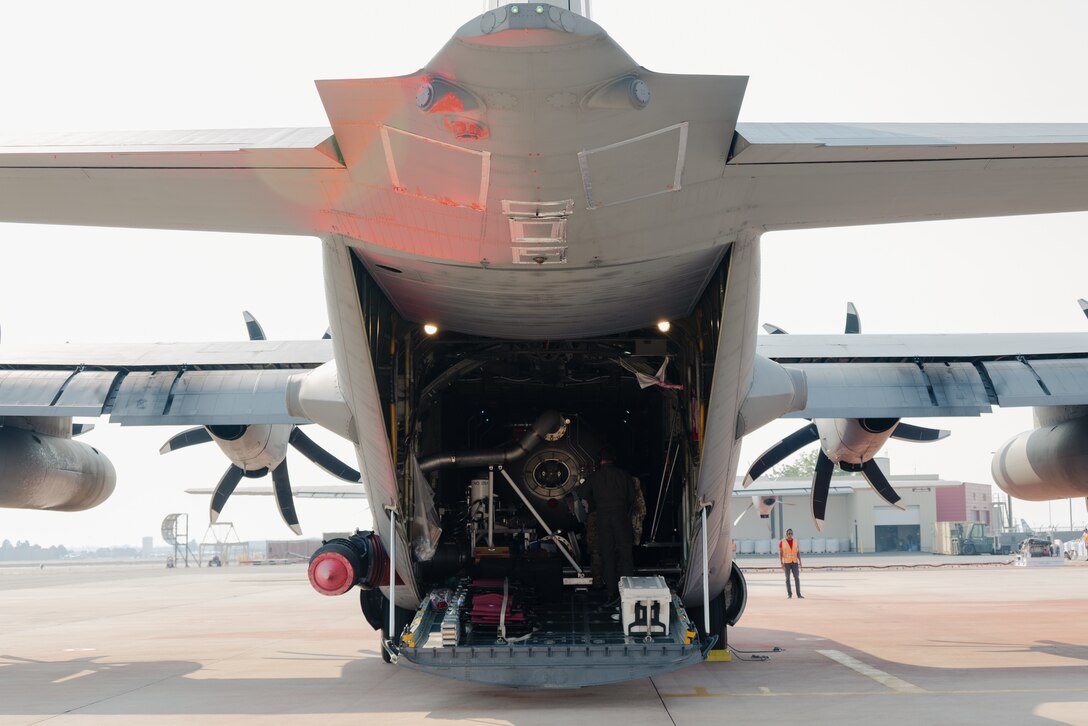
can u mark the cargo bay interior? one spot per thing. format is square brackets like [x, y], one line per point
[494, 440]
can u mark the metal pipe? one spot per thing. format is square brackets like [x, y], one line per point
[668, 483]
[706, 577]
[392, 574]
[660, 490]
[502, 610]
[547, 423]
[556, 540]
[491, 508]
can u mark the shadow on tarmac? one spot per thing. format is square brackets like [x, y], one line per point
[366, 685]
[801, 680]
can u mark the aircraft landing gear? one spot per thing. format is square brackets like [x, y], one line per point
[717, 622]
[725, 610]
[387, 657]
[375, 609]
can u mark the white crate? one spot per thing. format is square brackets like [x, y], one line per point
[645, 604]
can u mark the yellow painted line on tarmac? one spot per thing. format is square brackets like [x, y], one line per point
[882, 677]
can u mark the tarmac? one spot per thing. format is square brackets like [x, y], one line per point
[897, 640]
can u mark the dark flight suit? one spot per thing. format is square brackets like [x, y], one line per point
[612, 498]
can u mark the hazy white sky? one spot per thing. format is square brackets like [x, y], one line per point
[201, 64]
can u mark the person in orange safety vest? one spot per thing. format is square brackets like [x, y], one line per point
[790, 557]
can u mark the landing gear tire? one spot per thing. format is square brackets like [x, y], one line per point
[725, 609]
[717, 622]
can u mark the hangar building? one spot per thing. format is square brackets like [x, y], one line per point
[857, 519]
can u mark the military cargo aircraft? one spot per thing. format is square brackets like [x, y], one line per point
[534, 248]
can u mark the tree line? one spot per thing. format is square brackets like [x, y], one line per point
[25, 551]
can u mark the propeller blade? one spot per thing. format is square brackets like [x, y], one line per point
[327, 335]
[189, 437]
[737, 520]
[223, 490]
[853, 320]
[774, 329]
[78, 429]
[256, 332]
[780, 451]
[821, 487]
[1083, 306]
[921, 434]
[312, 451]
[879, 483]
[281, 485]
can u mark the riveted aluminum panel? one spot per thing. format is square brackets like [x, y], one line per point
[86, 393]
[958, 388]
[862, 390]
[794, 143]
[1015, 384]
[243, 397]
[142, 398]
[54, 393]
[1065, 378]
[963, 347]
[203, 397]
[1064, 382]
[570, 303]
[299, 148]
[169, 356]
[30, 393]
[634, 169]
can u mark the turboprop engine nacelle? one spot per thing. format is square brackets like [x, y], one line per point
[1049, 462]
[854, 440]
[38, 471]
[254, 448]
[316, 395]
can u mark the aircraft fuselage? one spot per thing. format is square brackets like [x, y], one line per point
[545, 202]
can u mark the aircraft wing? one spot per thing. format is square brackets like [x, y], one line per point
[894, 376]
[809, 175]
[158, 384]
[806, 175]
[236, 180]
